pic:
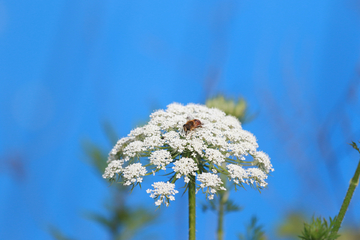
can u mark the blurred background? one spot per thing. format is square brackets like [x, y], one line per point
[74, 72]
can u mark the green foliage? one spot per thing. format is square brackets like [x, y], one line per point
[354, 182]
[352, 233]
[319, 229]
[123, 223]
[57, 234]
[213, 205]
[353, 144]
[230, 206]
[231, 107]
[253, 231]
[122, 220]
[291, 226]
[97, 156]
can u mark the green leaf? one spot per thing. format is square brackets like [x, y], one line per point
[319, 229]
[110, 133]
[230, 206]
[57, 234]
[237, 108]
[253, 231]
[102, 220]
[96, 155]
[353, 144]
[208, 205]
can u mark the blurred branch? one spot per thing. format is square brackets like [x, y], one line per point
[122, 220]
[57, 234]
[95, 155]
[253, 231]
[110, 133]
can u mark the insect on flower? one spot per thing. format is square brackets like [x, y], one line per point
[221, 144]
[191, 125]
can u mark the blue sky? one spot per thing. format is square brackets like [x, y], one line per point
[67, 66]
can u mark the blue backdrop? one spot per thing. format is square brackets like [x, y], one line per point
[67, 66]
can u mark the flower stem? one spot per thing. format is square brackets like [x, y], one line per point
[224, 195]
[220, 232]
[192, 206]
[353, 184]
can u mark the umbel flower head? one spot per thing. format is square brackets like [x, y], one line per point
[218, 145]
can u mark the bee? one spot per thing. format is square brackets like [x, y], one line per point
[191, 125]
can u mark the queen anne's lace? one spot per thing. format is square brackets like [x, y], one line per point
[163, 192]
[134, 173]
[212, 182]
[220, 145]
[160, 158]
[114, 167]
[237, 173]
[185, 167]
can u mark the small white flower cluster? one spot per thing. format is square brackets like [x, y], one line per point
[262, 160]
[114, 167]
[212, 182]
[215, 156]
[251, 175]
[185, 167]
[160, 159]
[164, 192]
[218, 146]
[134, 173]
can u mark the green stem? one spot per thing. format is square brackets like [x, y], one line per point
[220, 232]
[353, 184]
[224, 195]
[192, 206]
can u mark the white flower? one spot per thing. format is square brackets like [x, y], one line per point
[184, 167]
[215, 156]
[164, 192]
[174, 141]
[160, 158]
[113, 168]
[262, 160]
[257, 176]
[237, 173]
[196, 145]
[251, 175]
[134, 173]
[134, 148]
[220, 140]
[212, 182]
[117, 148]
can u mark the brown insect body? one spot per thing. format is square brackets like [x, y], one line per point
[191, 125]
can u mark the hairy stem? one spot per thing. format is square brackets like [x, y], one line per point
[353, 184]
[192, 206]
